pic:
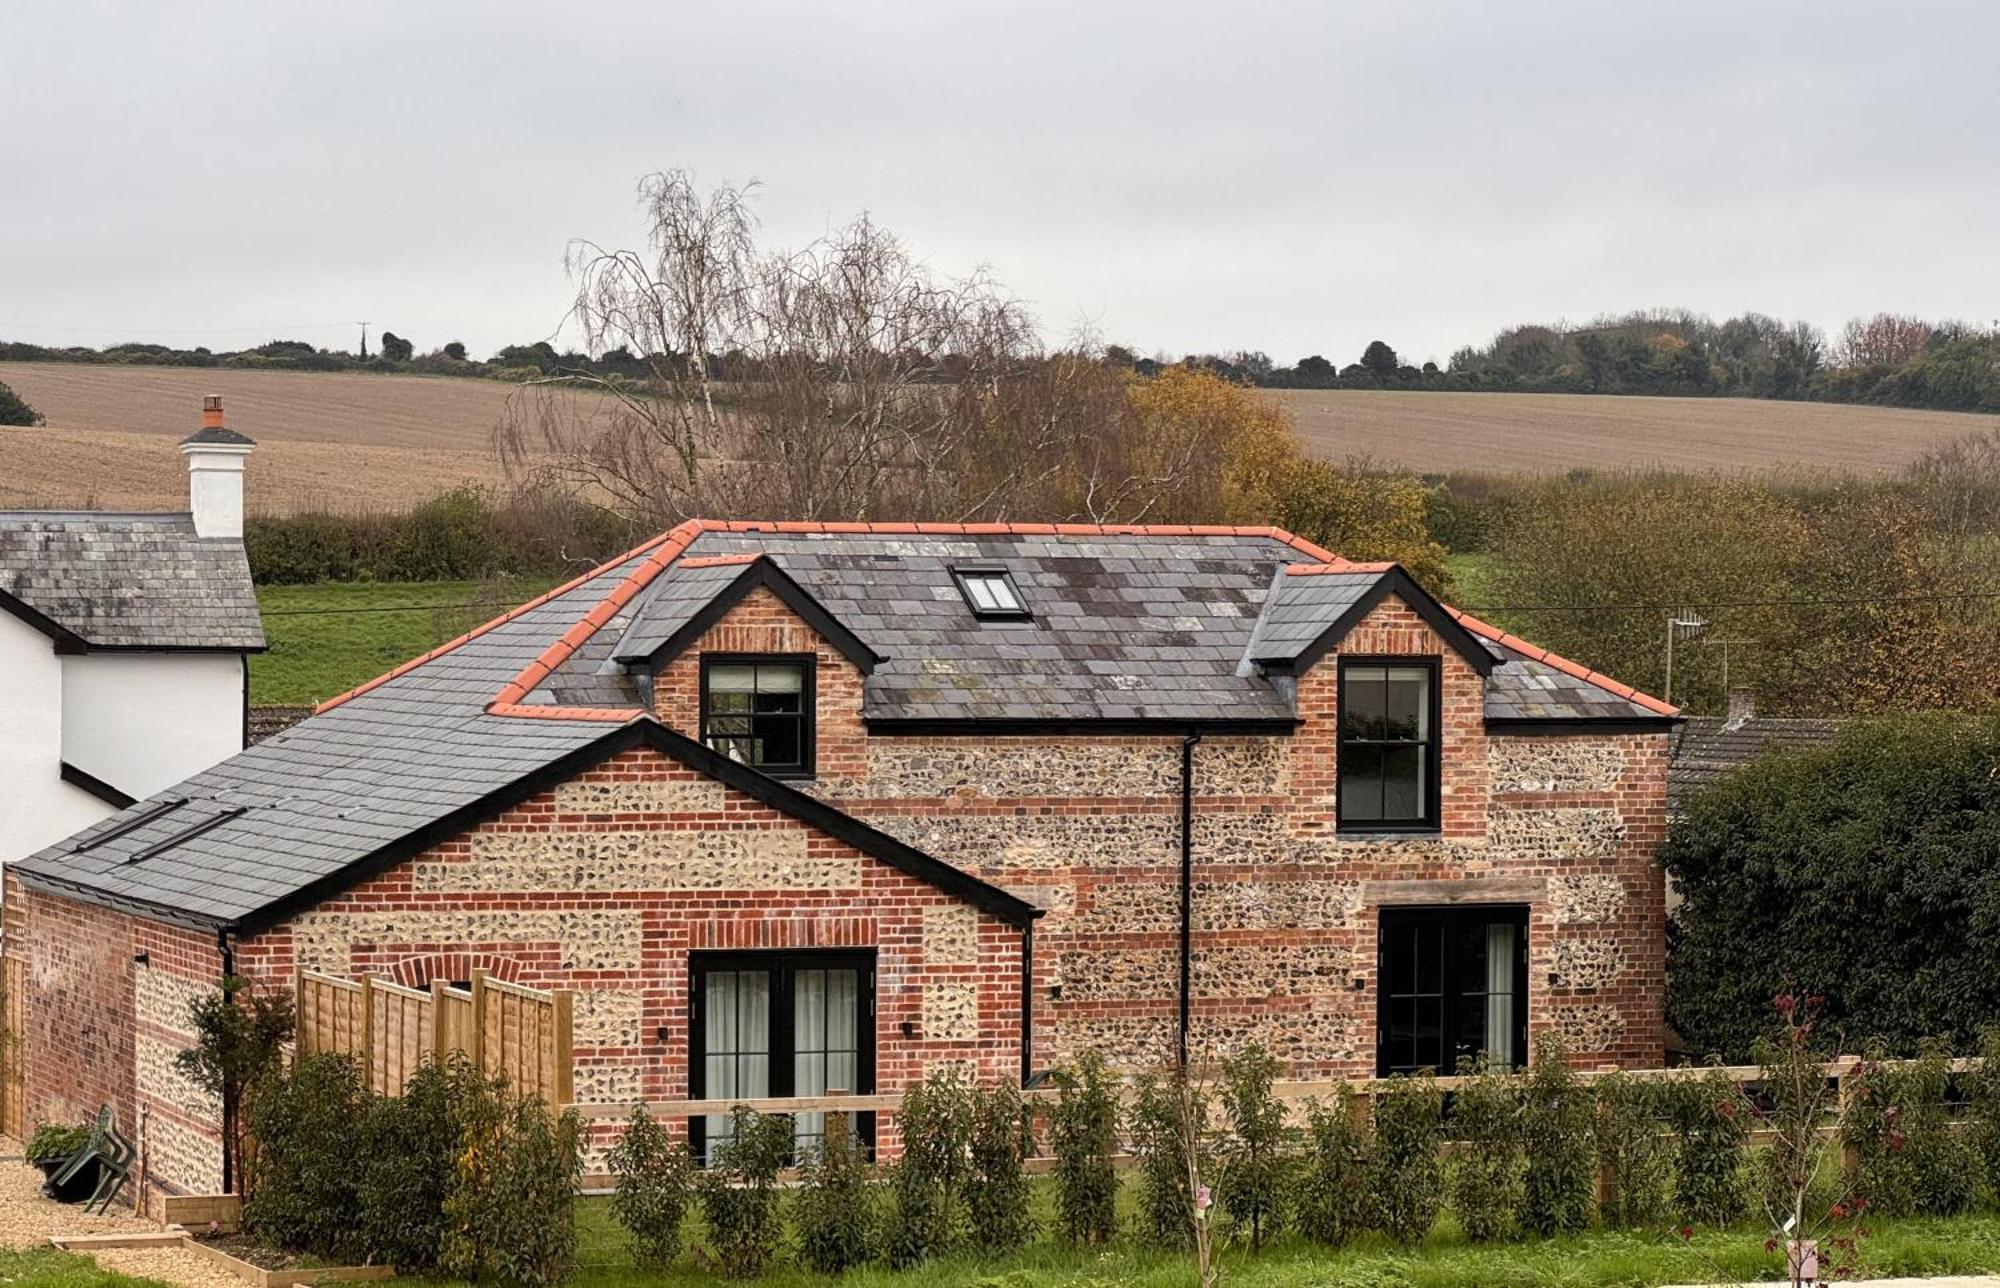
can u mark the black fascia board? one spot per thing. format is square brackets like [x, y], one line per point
[1562, 725]
[66, 640]
[97, 787]
[1078, 726]
[762, 571]
[82, 892]
[1422, 602]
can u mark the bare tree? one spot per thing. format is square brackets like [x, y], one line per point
[843, 380]
[1887, 340]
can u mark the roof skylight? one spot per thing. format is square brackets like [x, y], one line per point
[990, 592]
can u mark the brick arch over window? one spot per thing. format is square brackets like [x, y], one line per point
[418, 972]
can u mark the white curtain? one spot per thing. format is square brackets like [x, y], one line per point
[1500, 993]
[826, 1054]
[736, 1032]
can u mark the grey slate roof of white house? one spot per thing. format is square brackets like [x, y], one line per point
[1126, 627]
[142, 581]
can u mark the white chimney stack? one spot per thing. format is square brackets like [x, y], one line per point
[215, 474]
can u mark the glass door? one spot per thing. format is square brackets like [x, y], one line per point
[781, 1025]
[1453, 983]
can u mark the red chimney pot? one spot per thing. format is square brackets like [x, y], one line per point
[211, 412]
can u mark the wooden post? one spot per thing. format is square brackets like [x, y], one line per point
[440, 1048]
[564, 1061]
[364, 1033]
[478, 1039]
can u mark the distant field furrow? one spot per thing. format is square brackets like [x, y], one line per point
[353, 441]
[1553, 433]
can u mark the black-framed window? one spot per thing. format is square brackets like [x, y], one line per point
[780, 1024]
[1452, 984]
[991, 593]
[758, 709]
[1388, 773]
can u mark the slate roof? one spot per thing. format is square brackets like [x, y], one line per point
[107, 580]
[1302, 608]
[1128, 624]
[1705, 748]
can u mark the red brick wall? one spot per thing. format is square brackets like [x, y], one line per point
[605, 885]
[1286, 910]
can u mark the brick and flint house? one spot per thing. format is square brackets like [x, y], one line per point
[796, 807]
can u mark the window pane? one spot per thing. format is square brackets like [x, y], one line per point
[1406, 703]
[982, 591]
[1500, 1001]
[732, 679]
[781, 679]
[725, 725]
[778, 741]
[1402, 783]
[728, 702]
[1399, 958]
[766, 703]
[1362, 701]
[1360, 782]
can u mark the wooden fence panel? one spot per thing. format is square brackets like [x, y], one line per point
[520, 1033]
[13, 1049]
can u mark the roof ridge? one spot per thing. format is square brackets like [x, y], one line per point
[1560, 663]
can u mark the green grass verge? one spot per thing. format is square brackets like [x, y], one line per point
[1470, 577]
[326, 639]
[1600, 1259]
[49, 1268]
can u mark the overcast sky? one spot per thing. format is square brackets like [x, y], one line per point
[1177, 176]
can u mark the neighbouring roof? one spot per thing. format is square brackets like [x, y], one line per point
[1128, 625]
[140, 581]
[1705, 748]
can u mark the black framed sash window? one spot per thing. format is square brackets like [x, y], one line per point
[780, 1024]
[758, 710]
[1453, 983]
[1388, 744]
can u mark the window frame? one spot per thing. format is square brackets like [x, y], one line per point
[961, 575]
[1433, 741]
[782, 965]
[808, 665]
[1443, 915]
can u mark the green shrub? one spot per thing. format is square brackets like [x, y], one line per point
[479, 1128]
[1982, 1095]
[531, 1197]
[1333, 1201]
[53, 1140]
[1559, 1189]
[739, 1191]
[409, 1147]
[1486, 1175]
[14, 410]
[1907, 1160]
[240, 1038]
[833, 1211]
[996, 1192]
[1258, 1169]
[1405, 1181]
[1083, 1132]
[1631, 1154]
[654, 1174]
[1160, 1134]
[1711, 1122]
[926, 1186]
[307, 1122]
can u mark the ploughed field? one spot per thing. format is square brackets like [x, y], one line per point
[1441, 433]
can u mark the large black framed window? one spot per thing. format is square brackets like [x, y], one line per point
[758, 709]
[1453, 984]
[780, 1024]
[1388, 773]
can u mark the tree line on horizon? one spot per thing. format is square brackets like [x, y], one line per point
[1887, 359]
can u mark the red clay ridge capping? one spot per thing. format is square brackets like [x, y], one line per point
[479, 630]
[718, 561]
[1563, 664]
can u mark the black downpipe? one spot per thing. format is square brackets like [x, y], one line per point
[1187, 892]
[1027, 1003]
[228, 956]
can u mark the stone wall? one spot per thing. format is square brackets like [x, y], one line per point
[1286, 907]
[605, 884]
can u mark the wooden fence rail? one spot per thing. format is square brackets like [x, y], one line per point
[507, 1030]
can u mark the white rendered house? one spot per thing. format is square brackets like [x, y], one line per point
[124, 648]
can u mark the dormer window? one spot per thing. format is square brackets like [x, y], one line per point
[991, 593]
[1388, 771]
[758, 710]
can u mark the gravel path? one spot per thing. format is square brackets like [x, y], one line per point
[27, 1220]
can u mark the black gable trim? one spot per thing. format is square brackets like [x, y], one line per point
[1397, 582]
[1080, 726]
[66, 888]
[1519, 725]
[649, 733]
[67, 640]
[96, 787]
[761, 571]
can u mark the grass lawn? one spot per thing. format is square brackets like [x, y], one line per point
[1600, 1259]
[1470, 578]
[328, 638]
[49, 1268]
